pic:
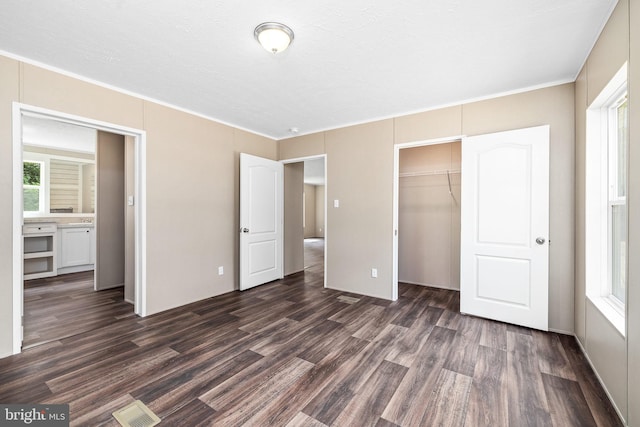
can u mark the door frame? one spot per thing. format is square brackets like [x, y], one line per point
[139, 136]
[326, 219]
[396, 190]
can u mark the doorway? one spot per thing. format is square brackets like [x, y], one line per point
[429, 215]
[504, 216]
[305, 218]
[23, 113]
[441, 166]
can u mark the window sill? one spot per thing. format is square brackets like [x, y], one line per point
[610, 312]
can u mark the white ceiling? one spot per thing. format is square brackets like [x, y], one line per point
[351, 61]
[314, 171]
[49, 133]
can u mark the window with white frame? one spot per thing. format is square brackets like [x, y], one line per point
[33, 183]
[606, 200]
[617, 125]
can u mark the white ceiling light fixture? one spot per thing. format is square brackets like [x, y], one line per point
[273, 36]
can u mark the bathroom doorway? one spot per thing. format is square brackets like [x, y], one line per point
[130, 152]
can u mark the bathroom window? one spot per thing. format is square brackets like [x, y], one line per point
[33, 186]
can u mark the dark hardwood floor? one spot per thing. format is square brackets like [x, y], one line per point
[66, 305]
[291, 353]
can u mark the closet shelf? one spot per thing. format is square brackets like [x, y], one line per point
[427, 173]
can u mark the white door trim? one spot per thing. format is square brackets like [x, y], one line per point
[20, 109]
[326, 219]
[396, 189]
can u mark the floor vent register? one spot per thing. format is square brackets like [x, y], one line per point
[136, 414]
[348, 300]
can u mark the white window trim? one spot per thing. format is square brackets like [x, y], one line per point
[29, 156]
[597, 220]
[613, 199]
[44, 185]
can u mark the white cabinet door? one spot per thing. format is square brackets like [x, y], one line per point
[261, 217]
[504, 259]
[76, 246]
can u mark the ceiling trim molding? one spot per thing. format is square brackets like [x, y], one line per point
[125, 91]
[273, 138]
[441, 106]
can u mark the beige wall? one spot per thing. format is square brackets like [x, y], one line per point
[314, 212]
[129, 221]
[195, 230]
[580, 162]
[302, 146]
[192, 205]
[320, 209]
[429, 216]
[309, 211]
[605, 347]
[110, 218]
[293, 229]
[360, 175]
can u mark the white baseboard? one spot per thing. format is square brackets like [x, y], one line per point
[129, 301]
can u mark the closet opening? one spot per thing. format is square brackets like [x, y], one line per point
[427, 215]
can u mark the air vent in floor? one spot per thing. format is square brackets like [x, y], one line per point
[136, 414]
[348, 300]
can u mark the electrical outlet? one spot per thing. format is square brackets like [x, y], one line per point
[336, 203]
[220, 271]
[374, 272]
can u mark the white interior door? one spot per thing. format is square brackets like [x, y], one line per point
[261, 220]
[504, 265]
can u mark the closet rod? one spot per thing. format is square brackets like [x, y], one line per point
[437, 172]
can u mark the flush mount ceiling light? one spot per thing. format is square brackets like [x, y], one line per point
[273, 36]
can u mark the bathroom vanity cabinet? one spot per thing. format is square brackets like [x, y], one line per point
[76, 248]
[40, 250]
[51, 249]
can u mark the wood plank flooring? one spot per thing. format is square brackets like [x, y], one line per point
[291, 353]
[66, 305]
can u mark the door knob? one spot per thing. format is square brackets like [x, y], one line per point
[540, 240]
[245, 230]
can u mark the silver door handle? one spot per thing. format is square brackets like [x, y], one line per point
[244, 230]
[540, 240]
